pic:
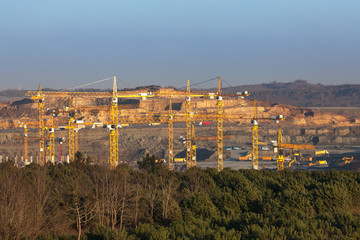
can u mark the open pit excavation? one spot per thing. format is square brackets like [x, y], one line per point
[182, 129]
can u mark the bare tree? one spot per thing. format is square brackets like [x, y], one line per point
[168, 189]
[16, 213]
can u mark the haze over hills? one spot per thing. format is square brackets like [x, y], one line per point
[299, 93]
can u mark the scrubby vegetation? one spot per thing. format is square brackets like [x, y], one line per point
[68, 201]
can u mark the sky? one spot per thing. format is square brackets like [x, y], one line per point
[67, 43]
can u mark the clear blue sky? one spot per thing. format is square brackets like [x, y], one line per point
[65, 43]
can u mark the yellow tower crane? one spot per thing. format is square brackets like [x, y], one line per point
[171, 138]
[39, 96]
[193, 147]
[188, 127]
[50, 144]
[71, 131]
[25, 143]
[114, 135]
[220, 129]
[26, 126]
[255, 134]
[255, 140]
[76, 140]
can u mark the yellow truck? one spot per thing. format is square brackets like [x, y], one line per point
[321, 162]
[179, 160]
[322, 152]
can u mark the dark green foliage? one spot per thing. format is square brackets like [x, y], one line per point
[150, 164]
[59, 202]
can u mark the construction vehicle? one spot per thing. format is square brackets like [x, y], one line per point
[291, 162]
[179, 160]
[322, 163]
[280, 146]
[154, 124]
[246, 157]
[204, 123]
[322, 152]
[345, 161]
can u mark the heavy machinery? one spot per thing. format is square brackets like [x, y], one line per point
[321, 152]
[40, 97]
[114, 121]
[345, 161]
[281, 146]
[246, 157]
[255, 135]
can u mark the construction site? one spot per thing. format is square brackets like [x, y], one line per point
[181, 128]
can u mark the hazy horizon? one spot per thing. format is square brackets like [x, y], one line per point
[63, 44]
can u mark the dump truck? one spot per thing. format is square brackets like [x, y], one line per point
[154, 124]
[318, 163]
[322, 152]
[321, 162]
[179, 160]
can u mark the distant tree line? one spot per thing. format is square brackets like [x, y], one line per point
[300, 93]
[84, 201]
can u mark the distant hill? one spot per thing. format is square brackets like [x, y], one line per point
[303, 94]
[299, 93]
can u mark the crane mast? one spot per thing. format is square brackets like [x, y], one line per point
[255, 140]
[188, 127]
[220, 130]
[280, 160]
[71, 132]
[193, 148]
[171, 138]
[26, 143]
[76, 139]
[50, 148]
[114, 135]
[40, 99]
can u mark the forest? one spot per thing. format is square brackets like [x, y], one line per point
[85, 201]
